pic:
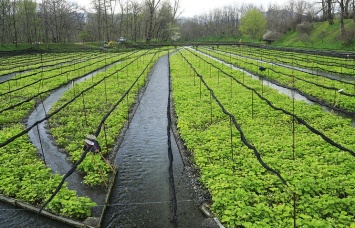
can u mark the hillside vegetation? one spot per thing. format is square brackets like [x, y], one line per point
[322, 36]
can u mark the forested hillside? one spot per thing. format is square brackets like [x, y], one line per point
[322, 36]
[106, 23]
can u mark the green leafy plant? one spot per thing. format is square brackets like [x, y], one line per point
[319, 177]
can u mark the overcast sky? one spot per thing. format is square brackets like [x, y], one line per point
[196, 7]
[191, 8]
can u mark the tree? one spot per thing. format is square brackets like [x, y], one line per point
[152, 6]
[330, 13]
[342, 13]
[253, 24]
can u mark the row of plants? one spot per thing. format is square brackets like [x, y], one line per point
[320, 178]
[263, 90]
[23, 174]
[336, 65]
[40, 67]
[82, 116]
[24, 177]
[322, 88]
[28, 77]
[27, 89]
[22, 63]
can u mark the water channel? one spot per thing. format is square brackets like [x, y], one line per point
[57, 160]
[141, 195]
[310, 71]
[289, 92]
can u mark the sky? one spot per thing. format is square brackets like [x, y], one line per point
[192, 8]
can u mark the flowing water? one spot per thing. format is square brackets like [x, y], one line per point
[289, 92]
[141, 195]
[59, 163]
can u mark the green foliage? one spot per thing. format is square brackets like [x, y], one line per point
[323, 36]
[84, 36]
[68, 204]
[320, 178]
[248, 59]
[25, 177]
[253, 24]
[50, 47]
[83, 116]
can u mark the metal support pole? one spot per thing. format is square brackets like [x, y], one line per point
[40, 96]
[127, 109]
[200, 89]
[105, 89]
[72, 83]
[231, 87]
[218, 79]
[105, 134]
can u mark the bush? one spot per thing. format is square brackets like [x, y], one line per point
[349, 38]
[305, 28]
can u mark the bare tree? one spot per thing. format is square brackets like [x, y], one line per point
[136, 10]
[121, 21]
[330, 12]
[152, 6]
[99, 11]
[342, 13]
[14, 6]
[5, 17]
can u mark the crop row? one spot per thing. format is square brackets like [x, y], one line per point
[322, 88]
[25, 91]
[82, 116]
[335, 65]
[320, 182]
[25, 177]
[22, 63]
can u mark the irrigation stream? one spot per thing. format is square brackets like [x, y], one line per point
[59, 163]
[11, 75]
[51, 154]
[310, 71]
[288, 92]
[142, 194]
